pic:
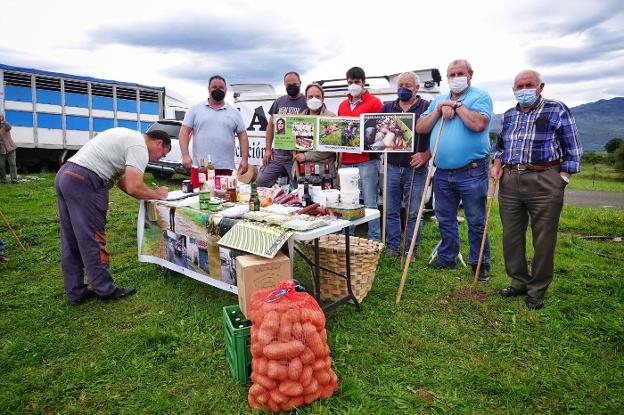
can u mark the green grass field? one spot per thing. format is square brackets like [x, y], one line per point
[438, 351]
[598, 177]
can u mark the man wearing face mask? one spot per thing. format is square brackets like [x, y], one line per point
[213, 124]
[461, 164]
[360, 101]
[537, 150]
[403, 166]
[279, 162]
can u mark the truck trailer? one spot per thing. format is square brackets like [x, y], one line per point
[54, 114]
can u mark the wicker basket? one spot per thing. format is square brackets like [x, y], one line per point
[364, 257]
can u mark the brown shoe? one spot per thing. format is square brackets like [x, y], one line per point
[3, 258]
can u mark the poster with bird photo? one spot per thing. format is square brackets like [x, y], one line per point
[294, 132]
[383, 133]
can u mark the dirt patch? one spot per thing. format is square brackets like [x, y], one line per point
[470, 294]
[425, 395]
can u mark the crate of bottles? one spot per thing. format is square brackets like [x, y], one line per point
[237, 343]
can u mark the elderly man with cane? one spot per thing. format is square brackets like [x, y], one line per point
[406, 172]
[536, 152]
[462, 164]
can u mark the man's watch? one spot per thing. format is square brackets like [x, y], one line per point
[457, 105]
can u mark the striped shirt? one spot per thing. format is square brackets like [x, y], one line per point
[547, 132]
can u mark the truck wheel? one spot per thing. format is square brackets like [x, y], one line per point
[162, 175]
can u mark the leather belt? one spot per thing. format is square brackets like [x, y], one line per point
[472, 165]
[534, 166]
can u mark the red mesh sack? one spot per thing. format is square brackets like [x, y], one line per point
[290, 363]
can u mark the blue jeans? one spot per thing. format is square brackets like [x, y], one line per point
[369, 191]
[1, 247]
[398, 182]
[471, 187]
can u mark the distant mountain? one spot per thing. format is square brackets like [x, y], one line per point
[597, 122]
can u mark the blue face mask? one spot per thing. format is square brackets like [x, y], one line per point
[405, 94]
[526, 97]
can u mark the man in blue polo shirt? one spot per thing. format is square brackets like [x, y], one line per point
[462, 163]
[213, 124]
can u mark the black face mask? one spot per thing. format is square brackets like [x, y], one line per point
[217, 95]
[292, 90]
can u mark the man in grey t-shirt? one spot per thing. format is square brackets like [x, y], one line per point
[213, 124]
[118, 155]
[280, 162]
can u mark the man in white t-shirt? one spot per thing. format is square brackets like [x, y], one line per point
[116, 156]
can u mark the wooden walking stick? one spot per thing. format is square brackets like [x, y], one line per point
[419, 216]
[12, 231]
[485, 228]
[385, 194]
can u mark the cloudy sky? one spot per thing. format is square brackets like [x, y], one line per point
[578, 46]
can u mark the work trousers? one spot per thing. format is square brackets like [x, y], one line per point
[538, 196]
[9, 158]
[83, 203]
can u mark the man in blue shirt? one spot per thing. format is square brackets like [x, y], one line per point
[461, 163]
[536, 152]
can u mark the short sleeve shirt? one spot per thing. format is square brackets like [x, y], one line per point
[109, 152]
[458, 144]
[213, 133]
[287, 106]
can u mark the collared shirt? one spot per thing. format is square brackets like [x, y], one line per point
[458, 144]
[547, 132]
[421, 141]
[213, 133]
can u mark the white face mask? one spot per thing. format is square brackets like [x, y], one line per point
[314, 104]
[458, 84]
[355, 90]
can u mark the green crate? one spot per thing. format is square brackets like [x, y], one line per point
[237, 343]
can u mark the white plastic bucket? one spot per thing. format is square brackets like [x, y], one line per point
[331, 196]
[350, 198]
[349, 177]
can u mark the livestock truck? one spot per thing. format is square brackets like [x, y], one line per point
[54, 114]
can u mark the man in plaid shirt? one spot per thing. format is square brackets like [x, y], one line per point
[537, 150]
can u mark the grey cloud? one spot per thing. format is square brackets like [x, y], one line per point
[203, 35]
[249, 70]
[599, 43]
[238, 50]
[576, 18]
[596, 72]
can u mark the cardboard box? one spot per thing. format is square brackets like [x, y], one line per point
[254, 272]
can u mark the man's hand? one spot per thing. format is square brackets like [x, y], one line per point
[187, 161]
[243, 166]
[496, 171]
[268, 155]
[419, 159]
[162, 192]
[300, 157]
[447, 112]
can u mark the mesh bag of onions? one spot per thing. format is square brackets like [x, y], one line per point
[291, 365]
